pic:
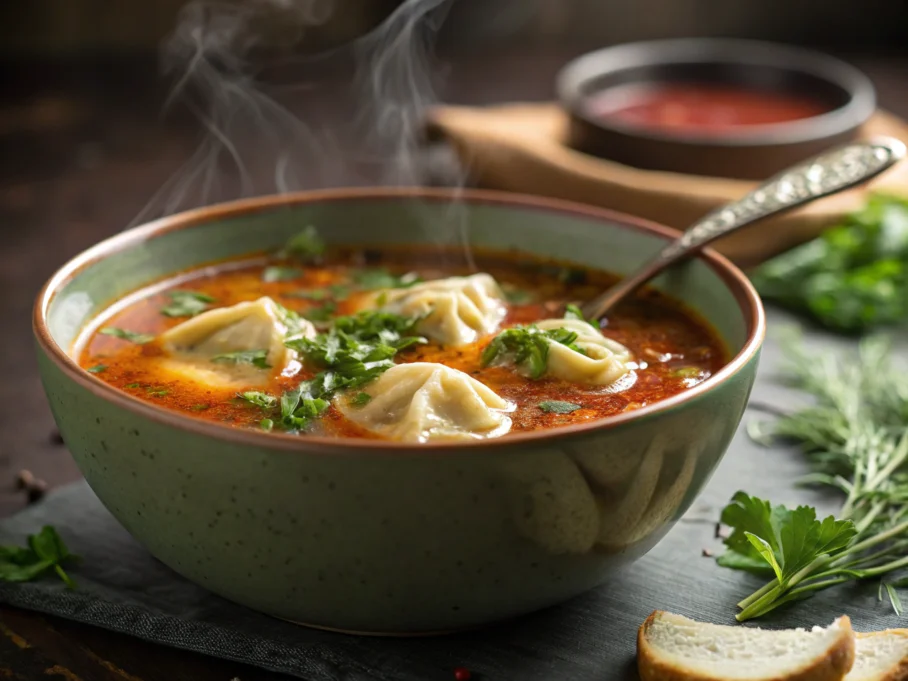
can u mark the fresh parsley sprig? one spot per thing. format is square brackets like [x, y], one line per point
[45, 552]
[855, 438]
[852, 277]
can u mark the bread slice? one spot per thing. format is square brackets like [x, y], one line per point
[675, 648]
[880, 656]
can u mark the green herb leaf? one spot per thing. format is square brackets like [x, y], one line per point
[558, 407]
[259, 399]
[894, 599]
[307, 246]
[200, 407]
[266, 424]
[278, 273]
[321, 313]
[516, 296]
[527, 347]
[361, 399]
[131, 336]
[45, 552]
[133, 385]
[314, 294]
[571, 311]
[257, 358]
[373, 279]
[336, 292]
[854, 276]
[97, 368]
[299, 407]
[186, 303]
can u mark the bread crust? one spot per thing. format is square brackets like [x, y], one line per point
[831, 667]
[900, 671]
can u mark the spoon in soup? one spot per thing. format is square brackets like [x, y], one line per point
[823, 175]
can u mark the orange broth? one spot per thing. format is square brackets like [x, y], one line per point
[674, 348]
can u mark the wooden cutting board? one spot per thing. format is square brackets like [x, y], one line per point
[519, 148]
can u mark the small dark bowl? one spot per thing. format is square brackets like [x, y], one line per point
[757, 151]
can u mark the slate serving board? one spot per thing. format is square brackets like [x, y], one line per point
[122, 588]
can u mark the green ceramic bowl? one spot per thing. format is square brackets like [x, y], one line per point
[385, 537]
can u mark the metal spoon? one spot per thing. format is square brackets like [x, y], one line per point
[828, 173]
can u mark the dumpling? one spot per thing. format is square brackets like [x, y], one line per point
[424, 401]
[458, 309]
[605, 362]
[209, 347]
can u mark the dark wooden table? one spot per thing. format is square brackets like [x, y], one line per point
[83, 150]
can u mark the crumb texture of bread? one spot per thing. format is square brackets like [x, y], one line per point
[880, 656]
[675, 648]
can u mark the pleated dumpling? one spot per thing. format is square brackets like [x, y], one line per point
[424, 401]
[242, 343]
[456, 310]
[605, 361]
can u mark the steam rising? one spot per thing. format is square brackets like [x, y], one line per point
[252, 143]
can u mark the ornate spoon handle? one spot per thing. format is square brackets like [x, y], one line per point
[826, 174]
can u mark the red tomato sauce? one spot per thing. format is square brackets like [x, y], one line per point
[705, 109]
[674, 348]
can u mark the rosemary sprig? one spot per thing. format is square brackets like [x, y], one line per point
[855, 437]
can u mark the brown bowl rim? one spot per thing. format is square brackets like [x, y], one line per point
[828, 125]
[744, 293]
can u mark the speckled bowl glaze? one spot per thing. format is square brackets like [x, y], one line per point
[385, 537]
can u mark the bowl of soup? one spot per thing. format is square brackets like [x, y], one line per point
[378, 410]
[728, 108]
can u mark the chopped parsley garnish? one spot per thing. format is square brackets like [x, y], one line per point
[300, 406]
[376, 325]
[259, 399]
[45, 552]
[353, 352]
[337, 292]
[321, 313]
[97, 368]
[200, 407]
[257, 358]
[133, 385]
[571, 311]
[290, 319]
[278, 273]
[266, 424]
[372, 279]
[558, 407]
[527, 347]
[131, 336]
[361, 399]
[186, 303]
[156, 392]
[517, 296]
[307, 246]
